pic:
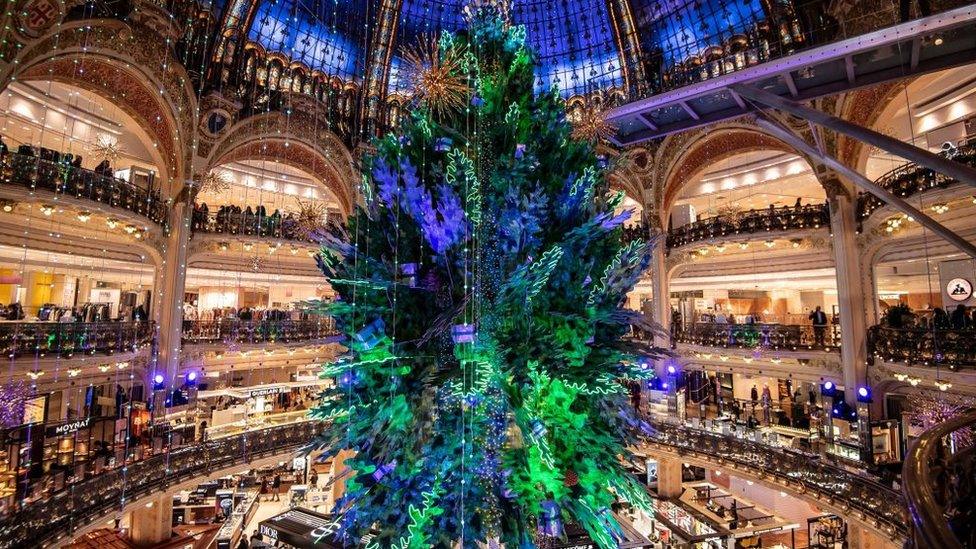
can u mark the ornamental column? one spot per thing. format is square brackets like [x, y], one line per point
[168, 300]
[661, 303]
[669, 478]
[850, 291]
[152, 523]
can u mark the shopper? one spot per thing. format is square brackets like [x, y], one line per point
[314, 481]
[276, 487]
[819, 319]
[960, 320]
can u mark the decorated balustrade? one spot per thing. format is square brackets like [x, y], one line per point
[808, 472]
[939, 483]
[39, 339]
[59, 177]
[751, 222]
[237, 223]
[233, 330]
[953, 349]
[783, 337]
[44, 522]
[910, 179]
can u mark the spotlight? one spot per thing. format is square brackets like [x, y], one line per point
[938, 40]
[864, 394]
[158, 380]
[248, 246]
[130, 229]
[84, 216]
[47, 209]
[828, 389]
[770, 243]
[671, 369]
[112, 223]
[9, 206]
[191, 377]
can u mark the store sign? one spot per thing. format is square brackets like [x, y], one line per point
[266, 530]
[68, 428]
[959, 289]
[265, 392]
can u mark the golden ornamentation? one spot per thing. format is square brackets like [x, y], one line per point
[106, 147]
[215, 182]
[311, 217]
[590, 123]
[434, 78]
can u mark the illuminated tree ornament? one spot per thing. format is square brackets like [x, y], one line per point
[106, 147]
[436, 80]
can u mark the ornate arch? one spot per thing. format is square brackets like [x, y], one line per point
[865, 107]
[124, 62]
[299, 140]
[684, 155]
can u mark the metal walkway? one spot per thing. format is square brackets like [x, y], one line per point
[919, 46]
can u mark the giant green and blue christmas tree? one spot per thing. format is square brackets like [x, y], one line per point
[480, 285]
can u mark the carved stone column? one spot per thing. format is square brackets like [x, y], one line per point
[661, 303]
[850, 290]
[168, 299]
[669, 478]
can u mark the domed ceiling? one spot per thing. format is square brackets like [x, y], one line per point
[581, 45]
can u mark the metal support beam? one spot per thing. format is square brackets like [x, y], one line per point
[799, 144]
[942, 165]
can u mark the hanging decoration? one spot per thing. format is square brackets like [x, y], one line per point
[435, 80]
[106, 147]
[481, 283]
[310, 218]
[591, 123]
[215, 182]
[927, 411]
[13, 395]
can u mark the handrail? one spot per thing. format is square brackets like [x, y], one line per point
[233, 330]
[284, 226]
[919, 483]
[951, 348]
[37, 339]
[781, 337]
[37, 524]
[910, 179]
[829, 481]
[34, 172]
[730, 226]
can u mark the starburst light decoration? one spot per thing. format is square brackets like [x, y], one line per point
[215, 182]
[500, 8]
[927, 411]
[591, 124]
[106, 147]
[311, 217]
[435, 80]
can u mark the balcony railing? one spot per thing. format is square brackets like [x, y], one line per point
[938, 485]
[249, 224]
[751, 222]
[830, 482]
[782, 337]
[41, 523]
[230, 330]
[38, 339]
[33, 172]
[953, 349]
[910, 179]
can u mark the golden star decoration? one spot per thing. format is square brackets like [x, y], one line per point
[590, 123]
[435, 78]
[106, 147]
[311, 217]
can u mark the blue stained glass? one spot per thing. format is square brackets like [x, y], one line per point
[327, 36]
[680, 29]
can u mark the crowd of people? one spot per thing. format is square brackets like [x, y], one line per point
[233, 219]
[247, 314]
[797, 216]
[903, 317]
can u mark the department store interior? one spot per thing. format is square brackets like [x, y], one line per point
[804, 169]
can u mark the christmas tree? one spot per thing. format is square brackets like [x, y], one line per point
[480, 284]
